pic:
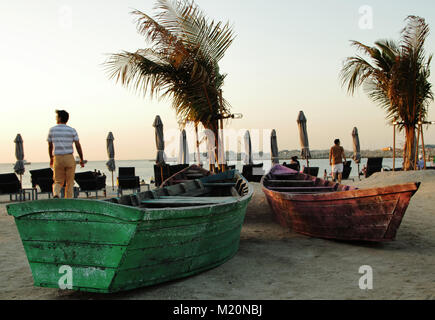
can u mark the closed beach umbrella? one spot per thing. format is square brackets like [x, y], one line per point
[303, 137]
[274, 147]
[183, 157]
[111, 154]
[160, 142]
[248, 148]
[19, 154]
[356, 148]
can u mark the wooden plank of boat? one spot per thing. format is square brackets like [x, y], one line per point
[119, 244]
[188, 200]
[219, 184]
[344, 212]
[312, 189]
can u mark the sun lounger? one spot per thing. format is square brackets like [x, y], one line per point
[42, 178]
[373, 165]
[91, 182]
[253, 172]
[312, 171]
[10, 184]
[167, 171]
[346, 170]
[127, 180]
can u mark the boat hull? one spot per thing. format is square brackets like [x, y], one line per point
[111, 247]
[359, 214]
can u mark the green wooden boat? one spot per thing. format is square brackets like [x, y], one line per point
[135, 240]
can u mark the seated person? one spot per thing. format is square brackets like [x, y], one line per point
[363, 171]
[420, 163]
[296, 162]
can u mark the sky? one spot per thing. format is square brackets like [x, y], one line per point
[286, 57]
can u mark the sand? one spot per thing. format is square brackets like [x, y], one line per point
[275, 263]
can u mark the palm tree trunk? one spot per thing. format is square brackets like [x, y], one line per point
[214, 128]
[409, 148]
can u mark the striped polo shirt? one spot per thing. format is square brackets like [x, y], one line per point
[62, 137]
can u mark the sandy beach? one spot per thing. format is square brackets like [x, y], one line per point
[275, 263]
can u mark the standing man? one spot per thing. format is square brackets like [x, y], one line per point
[336, 156]
[63, 163]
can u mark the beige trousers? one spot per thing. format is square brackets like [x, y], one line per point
[64, 171]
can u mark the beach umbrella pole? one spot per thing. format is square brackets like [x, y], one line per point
[394, 146]
[222, 129]
[422, 144]
[113, 186]
[416, 148]
[161, 174]
[21, 188]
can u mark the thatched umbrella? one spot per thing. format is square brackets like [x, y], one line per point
[183, 157]
[160, 143]
[221, 151]
[111, 154]
[303, 137]
[248, 148]
[356, 148]
[274, 147]
[198, 153]
[211, 146]
[19, 154]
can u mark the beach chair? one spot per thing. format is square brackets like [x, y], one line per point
[10, 184]
[253, 172]
[161, 173]
[346, 170]
[91, 182]
[127, 180]
[373, 165]
[173, 169]
[312, 171]
[42, 178]
[167, 171]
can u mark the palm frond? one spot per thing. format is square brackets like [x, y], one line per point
[182, 62]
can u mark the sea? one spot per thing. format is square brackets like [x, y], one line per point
[145, 168]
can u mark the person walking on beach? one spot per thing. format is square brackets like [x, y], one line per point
[62, 137]
[336, 156]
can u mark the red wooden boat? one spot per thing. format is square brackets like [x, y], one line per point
[325, 209]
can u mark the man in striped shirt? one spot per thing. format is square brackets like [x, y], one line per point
[62, 137]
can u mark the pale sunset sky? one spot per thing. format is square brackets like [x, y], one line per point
[286, 57]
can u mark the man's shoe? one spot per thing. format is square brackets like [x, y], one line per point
[55, 197]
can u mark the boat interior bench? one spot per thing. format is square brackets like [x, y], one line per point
[291, 183]
[183, 201]
[209, 190]
[304, 189]
[219, 184]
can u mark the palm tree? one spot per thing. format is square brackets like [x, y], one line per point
[181, 63]
[396, 78]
